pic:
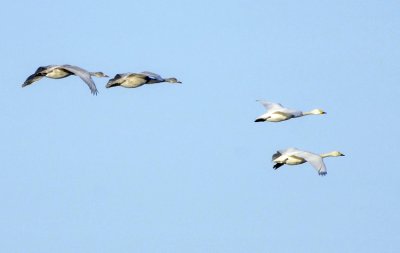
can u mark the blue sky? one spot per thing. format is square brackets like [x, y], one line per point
[168, 168]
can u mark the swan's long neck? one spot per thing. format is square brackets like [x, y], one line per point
[314, 112]
[327, 155]
[169, 79]
[308, 113]
[97, 74]
[172, 80]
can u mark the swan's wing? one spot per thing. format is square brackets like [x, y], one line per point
[284, 152]
[295, 113]
[84, 75]
[288, 151]
[270, 105]
[32, 78]
[138, 75]
[36, 76]
[152, 75]
[117, 76]
[276, 155]
[315, 160]
[120, 76]
[117, 79]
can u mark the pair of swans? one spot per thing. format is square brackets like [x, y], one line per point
[293, 156]
[127, 80]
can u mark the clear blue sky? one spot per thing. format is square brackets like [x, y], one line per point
[169, 168]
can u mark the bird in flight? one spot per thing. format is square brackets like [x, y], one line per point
[294, 156]
[277, 112]
[61, 71]
[134, 80]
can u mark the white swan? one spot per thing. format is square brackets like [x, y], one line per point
[133, 80]
[61, 71]
[276, 112]
[293, 156]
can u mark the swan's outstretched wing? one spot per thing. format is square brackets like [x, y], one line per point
[315, 160]
[32, 78]
[270, 105]
[153, 76]
[36, 76]
[84, 75]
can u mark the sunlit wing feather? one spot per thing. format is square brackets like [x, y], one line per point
[84, 75]
[315, 160]
[153, 75]
[270, 105]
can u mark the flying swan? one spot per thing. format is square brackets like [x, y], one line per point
[134, 80]
[61, 71]
[294, 156]
[276, 112]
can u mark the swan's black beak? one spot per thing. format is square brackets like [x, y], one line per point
[342, 155]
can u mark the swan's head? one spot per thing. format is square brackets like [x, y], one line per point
[336, 153]
[332, 154]
[98, 74]
[172, 80]
[317, 112]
